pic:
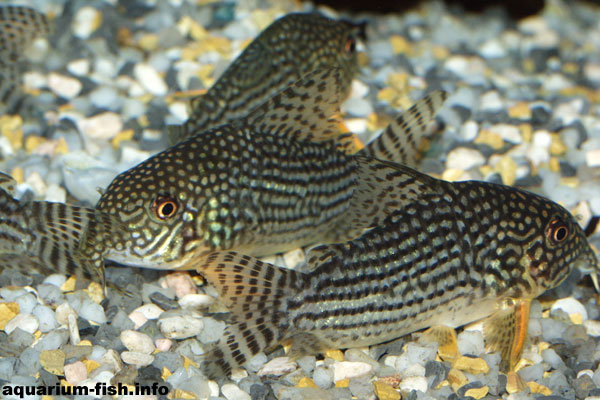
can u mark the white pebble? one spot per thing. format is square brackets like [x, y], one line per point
[464, 158]
[571, 306]
[592, 158]
[592, 327]
[92, 312]
[180, 326]
[233, 392]
[294, 258]
[62, 313]
[350, 369]
[45, 316]
[75, 372]
[137, 359]
[413, 370]
[103, 126]
[86, 21]
[491, 102]
[414, 383]
[278, 366]
[163, 344]
[111, 359]
[150, 311]
[137, 341]
[150, 79]
[55, 193]
[64, 86]
[26, 322]
[79, 67]
[357, 107]
[469, 130]
[470, 342]
[195, 300]
[138, 319]
[27, 303]
[256, 362]
[509, 133]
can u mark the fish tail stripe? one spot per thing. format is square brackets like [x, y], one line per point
[400, 141]
[255, 293]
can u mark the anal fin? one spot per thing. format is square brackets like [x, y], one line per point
[506, 331]
[445, 337]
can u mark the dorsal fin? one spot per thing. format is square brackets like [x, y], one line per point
[400, 141]
[309, 109]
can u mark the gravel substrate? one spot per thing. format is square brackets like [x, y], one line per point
[524, 110]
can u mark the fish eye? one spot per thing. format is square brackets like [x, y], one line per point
[164, 207]
[557, 231]
[350, 46]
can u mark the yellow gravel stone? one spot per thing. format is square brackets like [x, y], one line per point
[90, 365]
[387, 94]
[32, 142]
[263, 18]
[457, 378]
[6, 314]
[337, 355]
[440, 52]
[184, 394]
[554, 164]
[526, 132]
[520, 110]
[570, 68]
[143, 121]
[11, 127]
[53, 361]
[477, 393]
[69, 284]
[383, 391]
[61, 146]
[343, 383]
[307, 382]
[96, 292]
[472, 365]
[400, 44]
[514, 383]
[187, 362]
[557, 147]
[529, 65]
[452, 174]
[576, 318]
[570, 181]
[537, 388]
[84, 343]
[507, 167]
[363, 59]
[18, 175]
[490, 138]
[148, 42]
[165, 373]
[37, 334]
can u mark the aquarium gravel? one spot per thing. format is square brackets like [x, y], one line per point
[524, 110]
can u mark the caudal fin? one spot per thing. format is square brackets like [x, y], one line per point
[400, 141]
[256, 294]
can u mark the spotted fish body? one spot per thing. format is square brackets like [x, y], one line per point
[19, 26]
[51, 236]
[450, 257]
[268, 183]
[284, 52]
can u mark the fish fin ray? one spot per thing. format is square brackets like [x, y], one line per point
[400, 141]
[258, 320]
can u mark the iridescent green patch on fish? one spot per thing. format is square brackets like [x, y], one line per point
[285, 51]
[19, 26]
[276, 180]
[453, 255]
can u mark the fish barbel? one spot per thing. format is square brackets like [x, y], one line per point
[276, 180]
[455, 254]
[288, 49]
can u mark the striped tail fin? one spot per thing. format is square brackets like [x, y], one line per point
[255, 293]
[400, 141]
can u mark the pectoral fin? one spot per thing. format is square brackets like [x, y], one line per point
[506, 331]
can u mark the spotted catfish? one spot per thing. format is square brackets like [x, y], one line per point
[457, 253]
[291, 47]
[276, 180]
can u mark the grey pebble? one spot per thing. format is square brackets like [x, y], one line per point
[30, 362]
[53, 340]
[7, 367]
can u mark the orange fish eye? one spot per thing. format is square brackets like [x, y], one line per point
[350, 46]
[557, 231]
[164, 207]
